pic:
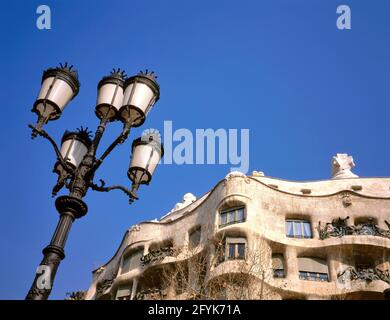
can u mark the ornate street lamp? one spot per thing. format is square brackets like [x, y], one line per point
[119, 98]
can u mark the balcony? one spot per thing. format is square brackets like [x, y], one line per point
[339, 228]
[365, 274]
[158, 255]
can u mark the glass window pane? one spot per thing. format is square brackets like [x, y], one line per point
[297, 229]
[135, 260]
[126, 265]
[232, 250]
[323, 277]
[223, 218]
[307, 230]
[313, 276]
[132, 261]
[230, 216]
[289, 226]
[241, 250]
[240, 215]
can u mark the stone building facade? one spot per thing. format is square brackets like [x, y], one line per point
[258, 237]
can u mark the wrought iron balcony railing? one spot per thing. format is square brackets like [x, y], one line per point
[339, 228]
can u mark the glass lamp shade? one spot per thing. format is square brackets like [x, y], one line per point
[59, 86]
[110, 95]
[146, 154]
[74, 146]
[141, 93]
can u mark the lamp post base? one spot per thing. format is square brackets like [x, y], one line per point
[69, 208]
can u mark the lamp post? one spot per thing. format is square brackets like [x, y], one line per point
[119, 99]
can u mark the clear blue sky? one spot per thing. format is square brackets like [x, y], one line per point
[280, 68]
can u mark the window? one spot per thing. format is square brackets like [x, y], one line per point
[278, 265]
[236, 251]
[132, 261]
[313, 276]
[298, 229]
[124, 293]
[313, 269]
[231, 249]
[194, 237]
[230, 216]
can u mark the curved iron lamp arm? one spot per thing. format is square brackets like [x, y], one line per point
[45, 135]
[119, 140]
[102, 188]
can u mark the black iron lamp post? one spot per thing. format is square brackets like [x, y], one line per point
[119, 98]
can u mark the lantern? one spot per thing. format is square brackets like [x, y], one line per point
[146, 154]
[74, 146]
[59, 86]
[110, 95]
[141, 93]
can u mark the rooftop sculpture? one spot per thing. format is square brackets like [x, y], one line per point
[188, 198]
[342, 165]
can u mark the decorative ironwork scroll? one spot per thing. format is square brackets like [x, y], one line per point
[339, 228]
[151, 294]
[103, 286]
[367, 274]
[157, 255]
